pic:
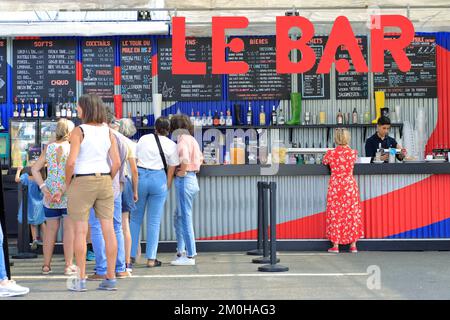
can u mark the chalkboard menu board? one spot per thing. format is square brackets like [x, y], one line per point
[310, 84]
[98, 67]
[352, 84]
[187, 87]
[420, 81]
[3, 71]
[136, 68]
[262, 81]
[44, 69]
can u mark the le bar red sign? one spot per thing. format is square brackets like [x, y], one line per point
[341, 35]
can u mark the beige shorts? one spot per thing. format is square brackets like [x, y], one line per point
[88, 192]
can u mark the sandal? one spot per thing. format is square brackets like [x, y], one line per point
[70, 270]
[49, 270]
[156, 263]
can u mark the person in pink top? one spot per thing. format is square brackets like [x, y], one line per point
[187, 188]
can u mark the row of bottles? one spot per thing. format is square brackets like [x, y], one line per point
[276, 117]
[140, 120]
[66, 110]
[30, 111]
[218, 119]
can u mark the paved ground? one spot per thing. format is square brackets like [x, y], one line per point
[311, 275]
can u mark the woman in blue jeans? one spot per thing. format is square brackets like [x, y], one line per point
[187, 188]
[153, 185]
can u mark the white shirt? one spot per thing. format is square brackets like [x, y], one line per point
[94, 150]
[148, 156]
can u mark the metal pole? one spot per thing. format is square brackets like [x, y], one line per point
[258, 250]
[273, 266]
[4, 230]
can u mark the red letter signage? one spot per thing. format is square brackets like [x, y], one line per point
[395, 46]
[285, 45]
[342, 34]
[180, 65]
[219, 65]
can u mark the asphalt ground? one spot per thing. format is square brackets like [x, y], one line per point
[232, 276]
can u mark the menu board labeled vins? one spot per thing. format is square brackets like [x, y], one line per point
[310, 84]
[44, 69]
[352, 84]
[98, 67]
[136, 69]
[262, 81]
[419, 81]
[175, 87]
[3, 73]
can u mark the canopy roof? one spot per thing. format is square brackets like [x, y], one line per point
[432, 15]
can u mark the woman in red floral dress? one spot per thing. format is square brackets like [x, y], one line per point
[343, 219]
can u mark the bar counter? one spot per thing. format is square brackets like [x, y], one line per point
[318, 169]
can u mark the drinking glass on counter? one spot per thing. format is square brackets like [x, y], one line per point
[237, 151]
[322, 117]
[279, 152]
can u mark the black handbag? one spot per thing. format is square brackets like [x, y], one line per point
[161, 153]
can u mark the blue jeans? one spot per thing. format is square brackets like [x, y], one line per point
[186, 190]
[3, 275]
[152, 196]
[98, 242]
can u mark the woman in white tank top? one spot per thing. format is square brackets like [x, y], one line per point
[89, 184]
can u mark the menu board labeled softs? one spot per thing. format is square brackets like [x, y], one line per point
[261, 82]
[136, 69]
[419, 81]
[98, 67]
[187, 87]
[44, 69]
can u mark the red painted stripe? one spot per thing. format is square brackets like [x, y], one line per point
[117, 76]
[79, 71]
[118, 108]
[155, 65]
[441, 133]
[415, 206]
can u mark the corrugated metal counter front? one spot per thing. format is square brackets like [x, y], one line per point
[408, 201]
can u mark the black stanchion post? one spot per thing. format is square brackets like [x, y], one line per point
[265, 226]
[258, 250]
[273, 266]
[23, 241]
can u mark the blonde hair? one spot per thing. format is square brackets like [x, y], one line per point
[63, 129]
[342, 136]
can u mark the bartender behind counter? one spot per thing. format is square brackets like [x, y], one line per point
[382, 137]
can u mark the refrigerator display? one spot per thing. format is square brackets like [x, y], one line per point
[24, 138]
[47, 132]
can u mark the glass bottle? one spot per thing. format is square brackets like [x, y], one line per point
[274, 116]
[249, 114]
[262, 117]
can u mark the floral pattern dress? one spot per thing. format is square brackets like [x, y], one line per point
[56, 157]
[343, 215]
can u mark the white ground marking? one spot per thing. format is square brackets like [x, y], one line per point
[226, 275]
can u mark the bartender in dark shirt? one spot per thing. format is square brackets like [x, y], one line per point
[382, 137]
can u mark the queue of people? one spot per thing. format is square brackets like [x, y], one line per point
[98, 179]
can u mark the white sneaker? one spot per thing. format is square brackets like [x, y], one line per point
[183, 254]
[12, 289]
[183, 261]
